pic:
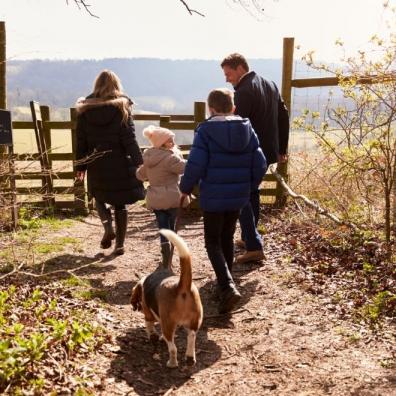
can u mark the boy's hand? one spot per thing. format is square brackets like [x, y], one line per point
[80, 175]
[282, 158]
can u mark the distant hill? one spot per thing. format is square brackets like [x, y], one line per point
[158, 85]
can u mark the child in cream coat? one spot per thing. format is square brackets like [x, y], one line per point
[162, 166]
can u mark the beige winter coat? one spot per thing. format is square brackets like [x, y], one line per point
[162, 168]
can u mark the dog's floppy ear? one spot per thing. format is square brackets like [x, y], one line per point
[136, 297]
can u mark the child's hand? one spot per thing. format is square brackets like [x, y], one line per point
[80, 175]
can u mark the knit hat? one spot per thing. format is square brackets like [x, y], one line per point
[157, 135]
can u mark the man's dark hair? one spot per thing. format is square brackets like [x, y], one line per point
[234, 60]
[221, 100]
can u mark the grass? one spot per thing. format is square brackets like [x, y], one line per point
[56, 245]
[81, 288]
[35, 222]
[36, 239]
[91, 294]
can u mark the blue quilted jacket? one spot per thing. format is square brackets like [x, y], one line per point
[227, 163]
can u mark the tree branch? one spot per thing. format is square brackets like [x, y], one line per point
[314, 205]
[83, 4]
[191, 11]
[72, 271]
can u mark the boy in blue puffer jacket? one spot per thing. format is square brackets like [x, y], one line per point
[227, 163]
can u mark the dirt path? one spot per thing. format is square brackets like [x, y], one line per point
[282, 340]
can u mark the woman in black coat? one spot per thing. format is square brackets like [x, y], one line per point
[108, 151]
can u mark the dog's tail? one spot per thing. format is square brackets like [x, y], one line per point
[185, 258]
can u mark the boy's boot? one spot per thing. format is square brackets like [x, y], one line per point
[229, 298]
[105, 217]
[121, 221]
[165, 253]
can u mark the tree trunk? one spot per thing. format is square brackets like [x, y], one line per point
[394, 193]
[388, 195]
[3, 103]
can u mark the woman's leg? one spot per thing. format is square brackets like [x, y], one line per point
[105, 217]
[121, 222]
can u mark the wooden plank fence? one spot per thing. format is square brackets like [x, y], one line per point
[54, 197]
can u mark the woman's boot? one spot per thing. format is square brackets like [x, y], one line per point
[121, 221]
[105, 217]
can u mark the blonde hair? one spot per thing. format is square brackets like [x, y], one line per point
[107, 86]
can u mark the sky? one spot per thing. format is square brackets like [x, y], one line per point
[51, 29]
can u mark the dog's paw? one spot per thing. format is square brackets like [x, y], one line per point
[190, 360]
[136, 305]
[171, 363]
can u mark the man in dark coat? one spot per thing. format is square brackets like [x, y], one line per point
[260, 101]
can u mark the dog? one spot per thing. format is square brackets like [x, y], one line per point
[172, 301]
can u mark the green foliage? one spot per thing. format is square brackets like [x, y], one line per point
[92, 293]
[383, 303]
[262, 229]
[82, 289]
[31, 220]
[34, 328]
[368, 268]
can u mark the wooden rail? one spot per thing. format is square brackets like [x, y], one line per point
[76, 191]
[334, 81]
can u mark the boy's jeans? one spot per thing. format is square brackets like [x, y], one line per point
[248, 220]
[219, 228]
[166, 218]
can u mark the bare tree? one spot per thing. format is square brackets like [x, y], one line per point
[358, 139]
[253, 7]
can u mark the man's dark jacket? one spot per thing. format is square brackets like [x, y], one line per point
[108, 150]
[260, 101]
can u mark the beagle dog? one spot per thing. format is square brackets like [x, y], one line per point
[171, 300]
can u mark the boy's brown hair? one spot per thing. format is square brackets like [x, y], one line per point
[234, 60]
[221, 100]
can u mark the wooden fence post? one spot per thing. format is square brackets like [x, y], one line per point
[46, 178]
[80, 193]
[164, 120]
[4, 165]
[45, 116]
[199, 112]
[3, 83]
[287, 74]
[199, 116]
